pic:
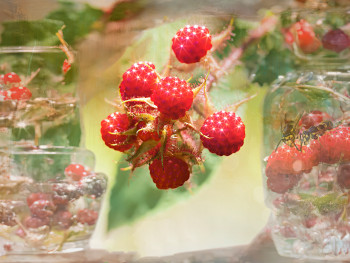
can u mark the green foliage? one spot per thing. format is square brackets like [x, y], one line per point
[30, 33]
[329, 203]
[126, 9]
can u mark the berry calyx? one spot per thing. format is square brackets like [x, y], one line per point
[173, 173]
[114, 124]
[19, 93]
[305, 37]
[336, 40]
[191, 43]
[173, 97]
[87, 216]
[76, 171]
[11, 77]
[138, 81]
[223, 133]
[149, 131]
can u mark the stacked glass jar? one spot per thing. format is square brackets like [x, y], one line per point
[50, 196]
[306, 153]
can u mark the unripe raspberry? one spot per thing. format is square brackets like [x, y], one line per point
[173, 97]
[225, 133]
[117, 123]
[173, 173]
[138, 81]
[191, 43]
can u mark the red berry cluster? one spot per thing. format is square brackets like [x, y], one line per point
[287, 163]
[11, 88]
[156, 127]
[303, 34]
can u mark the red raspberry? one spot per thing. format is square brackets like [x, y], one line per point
[343, 176]
[149, 131]
[42, 208]
[305, 37]
[138, 81]
[336, 40]
[173, 97]
[281, 183]
[114, 123]
[19, 93]
[310, 155]
[314, 118]
[226, 133]
[76, 171]
[37, 196]
[62, 219]
[87, 216]
[172, 174]
[286, 160]
[191, 43]
[35, 222]
[335, 145]
[11, 78]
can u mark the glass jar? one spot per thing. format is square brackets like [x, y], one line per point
[38, 104]
[306, 151]
[50, 199]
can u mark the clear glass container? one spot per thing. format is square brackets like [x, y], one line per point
[306, 151]
[38, 103]
[50, 198]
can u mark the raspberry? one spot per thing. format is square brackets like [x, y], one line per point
[66, 66]
[138, 81]
[313, 118]
[310, 155]
[87, 216]
[37, 196]
[76, 171]
[191, 43]
[62, 219]
[336, 40]
[11, 78]
[343, 176]
[35, 222]
[148, 131]
[65, 192]
[173, 97]
[305, 37]
[19, 93]
[281, 183]
[225, 133]
[335, 145]
[117, 123]
[42, 208]
[172, 174]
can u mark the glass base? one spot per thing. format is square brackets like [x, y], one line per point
[64, 255]
[325, 242]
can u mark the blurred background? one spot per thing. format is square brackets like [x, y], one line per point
[226, 204]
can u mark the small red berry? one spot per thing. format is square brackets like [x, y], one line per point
[149, 131]
[42, 208]
[11, 78]
[19, 93]
[62, 219]
[173, 173]
[87, 216]
[343, 176]
[225, 133]
[76, 171]
[35, 222]
[335, 145]
[305, 37]
[138, 81]
[173, 97]
[313, 118]
[281, 183]
[191, 43]
[66, 66]
[117, 123]
[336, 40]
[37, 196]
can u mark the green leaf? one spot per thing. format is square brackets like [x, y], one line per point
[330, 203]
[30, 33]
[78, 19]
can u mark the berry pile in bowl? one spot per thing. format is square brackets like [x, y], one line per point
[321, 34]
[164, 121]
[50, 199]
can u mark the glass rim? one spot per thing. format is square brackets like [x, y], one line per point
[43, 149]
[31, 49]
